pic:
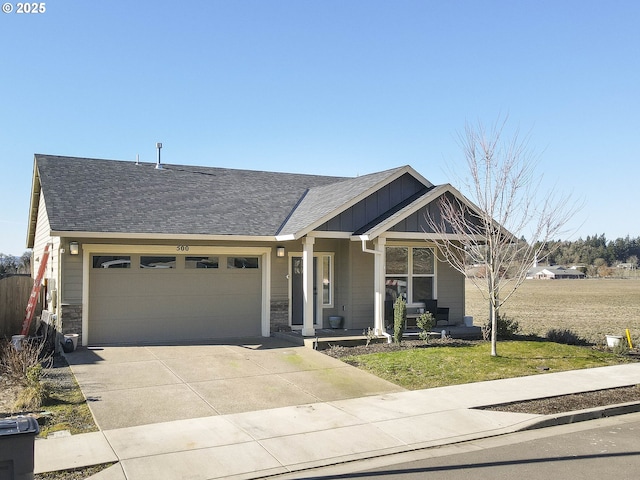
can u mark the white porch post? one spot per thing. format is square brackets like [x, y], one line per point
[379, 285]
[307, 287]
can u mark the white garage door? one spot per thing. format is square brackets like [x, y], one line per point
[152, 298]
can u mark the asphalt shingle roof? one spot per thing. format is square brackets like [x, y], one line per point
[91, 195]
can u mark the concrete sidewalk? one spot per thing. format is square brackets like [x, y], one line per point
[282, 440]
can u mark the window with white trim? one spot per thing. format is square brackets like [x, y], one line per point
[327, 280]
[410, 273]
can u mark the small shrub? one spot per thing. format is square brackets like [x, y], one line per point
[35, 393]
[399, 318]
[486, 331]
[15, 364]
[565, 336]
[507, 328]
[621, 348]
[370, 334]
[425, 324]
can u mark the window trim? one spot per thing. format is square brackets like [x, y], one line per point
[410, 275]
[331, 289]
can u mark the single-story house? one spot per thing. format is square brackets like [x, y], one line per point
[555, 272]
[151, 252]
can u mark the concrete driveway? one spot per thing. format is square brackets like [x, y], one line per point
[138, 385]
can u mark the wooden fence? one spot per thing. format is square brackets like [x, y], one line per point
[14, 295]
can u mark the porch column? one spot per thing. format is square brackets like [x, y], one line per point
[379, 285]
[307, 287]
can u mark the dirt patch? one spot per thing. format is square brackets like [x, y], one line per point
[74, 474]
[9, 396]
[591, 308]
[570, 403]
[339, 352]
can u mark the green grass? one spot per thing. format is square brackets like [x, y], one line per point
[420, 368]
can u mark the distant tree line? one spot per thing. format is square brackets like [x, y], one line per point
[12, 265]
[594, 251]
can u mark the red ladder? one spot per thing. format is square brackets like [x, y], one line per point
[35, 291]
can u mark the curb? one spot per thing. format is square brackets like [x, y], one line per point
[575, 416]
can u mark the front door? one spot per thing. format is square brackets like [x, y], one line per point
[297, 297]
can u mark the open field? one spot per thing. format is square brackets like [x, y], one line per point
[589, 308]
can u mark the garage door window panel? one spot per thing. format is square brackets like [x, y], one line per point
[111, 261]
[242, 262]
[157, 262]
[208, 263]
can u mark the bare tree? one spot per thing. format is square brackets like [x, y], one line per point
[506, 221]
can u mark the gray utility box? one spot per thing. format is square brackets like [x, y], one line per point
[17, 437]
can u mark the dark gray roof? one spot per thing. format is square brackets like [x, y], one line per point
[91, 195]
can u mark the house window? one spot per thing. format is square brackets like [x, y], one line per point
[242, 262]
[111, 261]
[327, 280]
[157, 262]
[200, 262]
[410, 273]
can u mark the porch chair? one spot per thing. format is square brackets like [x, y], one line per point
[440, 314]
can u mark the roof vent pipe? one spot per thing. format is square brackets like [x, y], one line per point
[158, 164]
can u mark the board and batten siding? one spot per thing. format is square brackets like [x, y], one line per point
[375, 205]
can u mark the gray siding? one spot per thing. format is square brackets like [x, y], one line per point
[450, 287]
[361, 305]
[375, 205]
[71, 277]
[417, 221]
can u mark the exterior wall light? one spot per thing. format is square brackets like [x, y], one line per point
[74, 248]
[279, 251]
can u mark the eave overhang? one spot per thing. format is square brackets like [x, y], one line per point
[160, 236]
[34, 203]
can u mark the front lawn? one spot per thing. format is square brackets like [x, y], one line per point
[439, 366]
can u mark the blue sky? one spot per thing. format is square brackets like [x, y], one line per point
[337, 87]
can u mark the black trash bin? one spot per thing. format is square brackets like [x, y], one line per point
[17, 437]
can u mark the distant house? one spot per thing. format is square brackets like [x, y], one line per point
[626, 266]
[143, 252]
[554, 273]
